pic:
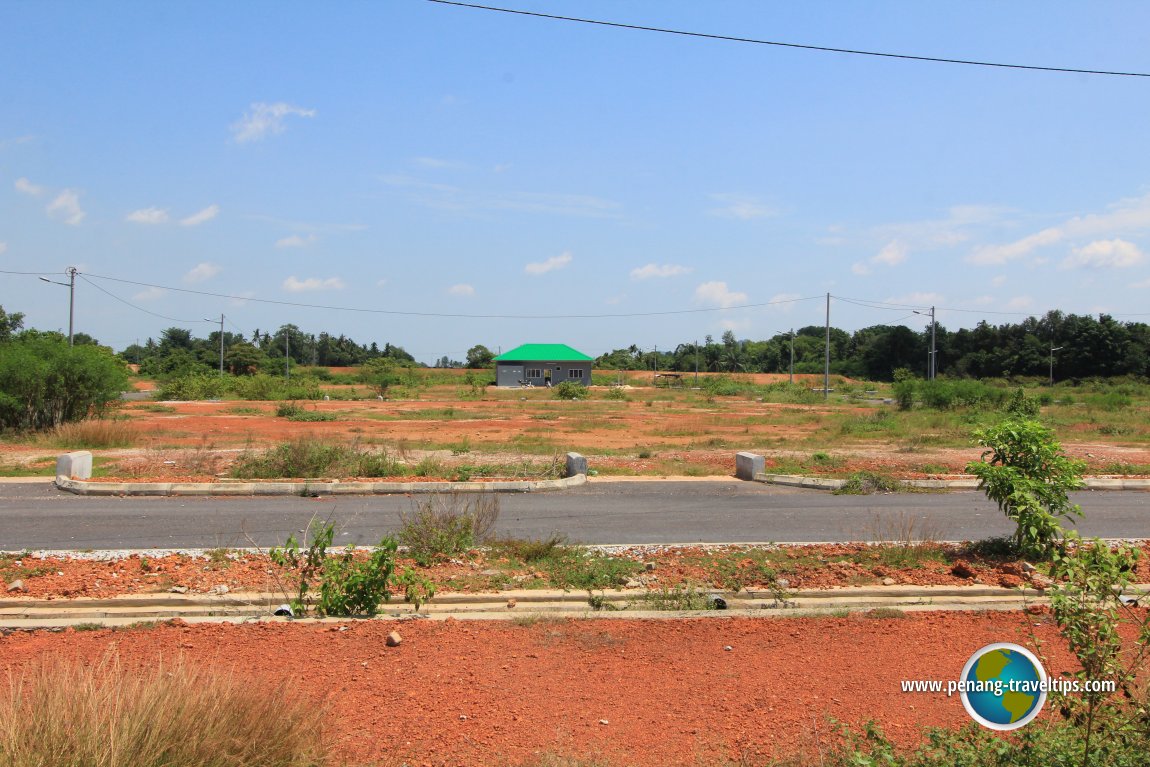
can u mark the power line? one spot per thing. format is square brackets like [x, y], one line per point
[137, 308]
[399, 313]
[821, 48]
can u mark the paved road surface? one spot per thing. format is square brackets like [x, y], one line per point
[37, 516]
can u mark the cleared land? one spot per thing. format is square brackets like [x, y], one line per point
[440, 427]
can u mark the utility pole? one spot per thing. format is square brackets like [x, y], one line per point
[1053, 349]
[287, 354]
[792, 378]
[827, 367]
[696, 363]
[931, 366]
[655, 380]
[71, 286]
[209, 319]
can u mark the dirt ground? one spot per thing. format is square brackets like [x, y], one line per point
[649, 693]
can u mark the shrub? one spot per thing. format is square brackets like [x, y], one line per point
[616, 393]
[309, 458]
[444, 526]
[1021, 406]
[571, 390]
[45, 383]
[1029, 478]
[67, 713]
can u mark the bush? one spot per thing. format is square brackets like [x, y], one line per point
[310, 458]
[1029, 478]
[45, 383]
[571, 390]
[69, 713]
[444, 526]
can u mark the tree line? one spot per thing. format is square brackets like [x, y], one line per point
[1080, 346]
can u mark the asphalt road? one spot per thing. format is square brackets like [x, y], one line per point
[37, 516]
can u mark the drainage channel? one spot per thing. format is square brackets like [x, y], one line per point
[238, 608]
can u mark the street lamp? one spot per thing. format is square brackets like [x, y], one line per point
[930, 356]
[71, 286]
[221, 320]
[1053, 349]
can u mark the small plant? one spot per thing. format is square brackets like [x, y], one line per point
[418, 589]
[867, 482]
[683, 597]
[348, 585]
[529, 551]
[615, 393]
[444, 526]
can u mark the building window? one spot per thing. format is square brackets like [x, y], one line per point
[534, 373]
[573, 373]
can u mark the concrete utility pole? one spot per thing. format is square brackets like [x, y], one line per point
[209, 319]
[827, 368]
[71, 286]
[931, 365]
[792, 379]
[287, 355]
[1053, 349]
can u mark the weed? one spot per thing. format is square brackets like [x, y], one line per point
[447, 525]
[308, 457]
[529, 551]
[867, 482]
[348, 585]
[88, 626]
[91, 434]
[418, 589]
[682, 597]
[879, 613]
[571, 391]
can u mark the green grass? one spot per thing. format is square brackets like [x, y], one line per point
[311, 458]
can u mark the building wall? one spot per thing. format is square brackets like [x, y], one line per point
[535, 373]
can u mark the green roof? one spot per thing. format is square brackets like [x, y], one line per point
[543, 353]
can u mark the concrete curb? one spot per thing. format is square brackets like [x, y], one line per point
[519, 604]
[333, 487]
[822, 483]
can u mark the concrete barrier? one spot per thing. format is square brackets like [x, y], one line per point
[77, 464]
[747, 465]
[576, 465]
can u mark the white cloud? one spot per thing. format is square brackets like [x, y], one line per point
[655, 270]
[1105, 254]
[741, 207]
[151, 294]
[550, 265]
[892, 254]
[1128, 215]
[461, 289]
[1142, 284]
[734, 325]
[459, 200]
[67, 205]
[201, 272]
[3, 247]
[917, 299]
[718, 294]
[983, 300]
[1020, 303]
[202, 217]
[148, 216]
[999, 281]
[784, 302]
[24, 186]
[860, 268]
[262, 120]
[435, 162]
[239, 298]
[380, 283]
[297, 241]
[295, 285]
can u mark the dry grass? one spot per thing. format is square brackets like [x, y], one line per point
[59, 713]
[91, 434]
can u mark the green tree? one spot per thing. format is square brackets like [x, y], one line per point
[44, 382]
[10, 323]
[1025, 472]
[380, 374]
[479, 356]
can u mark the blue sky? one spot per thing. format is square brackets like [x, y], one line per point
[405, 156]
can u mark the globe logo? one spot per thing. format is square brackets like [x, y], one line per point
[1003, 686]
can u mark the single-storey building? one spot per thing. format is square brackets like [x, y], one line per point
[542, 365]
